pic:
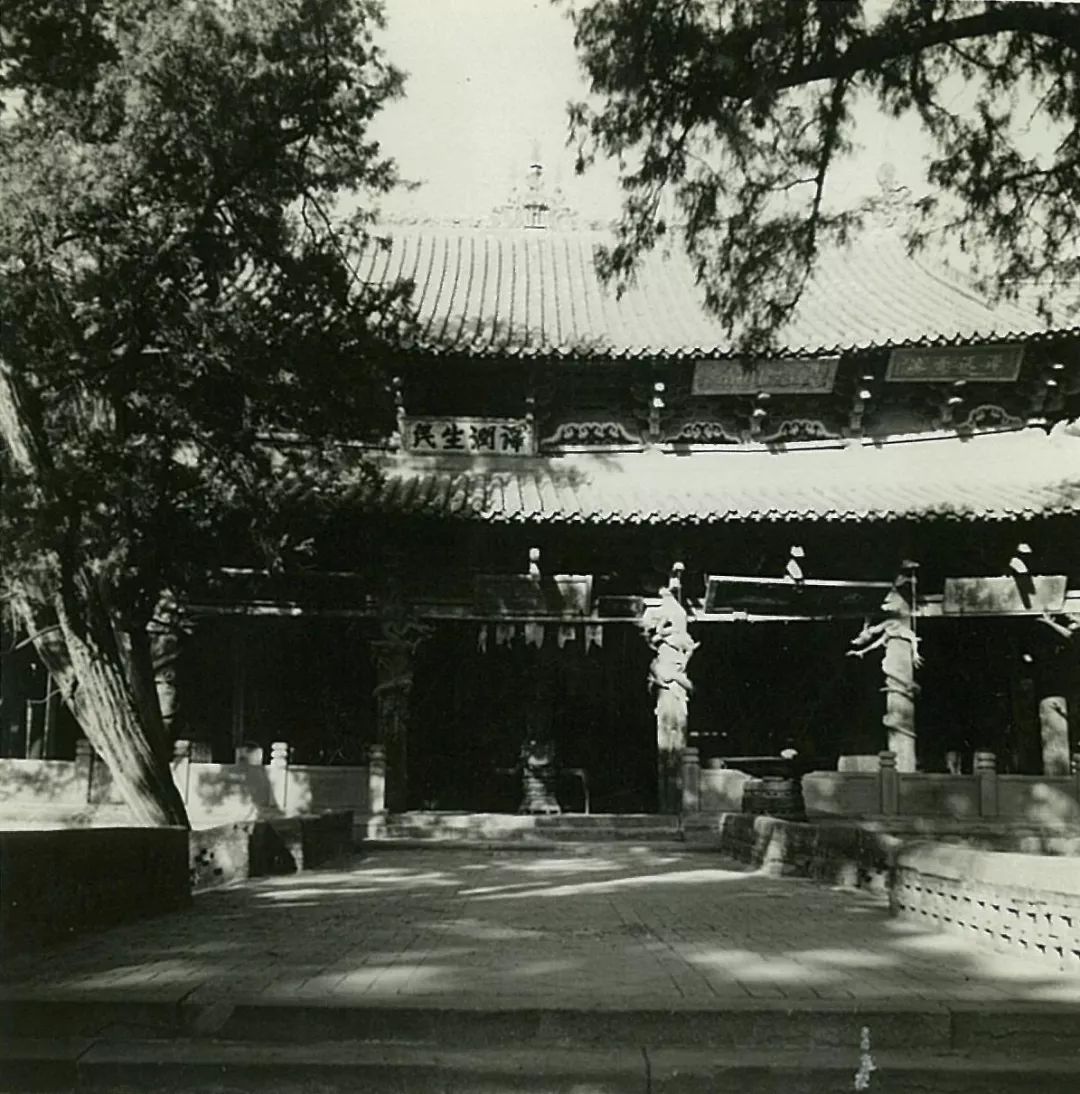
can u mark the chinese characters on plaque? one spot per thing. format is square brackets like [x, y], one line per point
[781, 376]
[472, 436]
[975, 363]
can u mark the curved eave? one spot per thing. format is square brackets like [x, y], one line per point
[436, 350]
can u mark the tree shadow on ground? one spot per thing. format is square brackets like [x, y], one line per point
[634, 927]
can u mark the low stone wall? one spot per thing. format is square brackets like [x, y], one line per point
[59, 882]
[836, 854]
[245, 849]
[82, 792]
[1027, 905]
[56, 883]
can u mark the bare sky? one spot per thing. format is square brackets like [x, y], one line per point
[488, 80]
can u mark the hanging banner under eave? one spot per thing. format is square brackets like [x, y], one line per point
[777, 376]
[977, 364]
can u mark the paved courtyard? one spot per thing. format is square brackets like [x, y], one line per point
[625, 927]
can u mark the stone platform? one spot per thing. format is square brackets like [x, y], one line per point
[608, 967]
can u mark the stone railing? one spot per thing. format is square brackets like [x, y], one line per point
[1047, 801]
[1020, 904]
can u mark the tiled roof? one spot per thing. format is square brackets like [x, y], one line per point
[989, 477]
[483, 291]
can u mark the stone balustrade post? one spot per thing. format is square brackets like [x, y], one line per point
[84, 766]
[888, 784]
[691, 781]
[278, 775]
[986, 772]
[376, 780]
[181, 767]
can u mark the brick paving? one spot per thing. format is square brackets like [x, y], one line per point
[604, 927]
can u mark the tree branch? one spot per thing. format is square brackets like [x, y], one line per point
[887, 45]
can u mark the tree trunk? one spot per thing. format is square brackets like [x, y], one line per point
[86, 664]
[103, 671]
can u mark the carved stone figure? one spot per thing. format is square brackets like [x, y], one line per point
[667, 632]
[896, 636]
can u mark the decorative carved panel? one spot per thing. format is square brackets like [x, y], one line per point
[699, 431]
[990, 416]
[590, 434]
[799, 429]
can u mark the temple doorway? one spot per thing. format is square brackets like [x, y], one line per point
[764, 687]
[474, 709]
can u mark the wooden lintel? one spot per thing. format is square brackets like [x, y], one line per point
[929, 607]
[812, 583]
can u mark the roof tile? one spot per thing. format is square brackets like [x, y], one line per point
[500, 291]
[996, 476]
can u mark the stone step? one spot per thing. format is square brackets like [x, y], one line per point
[1021, 1031]
[222, 1067]
[507, 828]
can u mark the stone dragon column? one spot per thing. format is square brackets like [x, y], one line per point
[394, 657]
[897, 638]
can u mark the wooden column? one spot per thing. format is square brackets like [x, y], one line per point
[394, 656]
[239, 686]
[166, 632]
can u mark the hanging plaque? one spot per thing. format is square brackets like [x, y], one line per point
[509, 595]
[986, 364]
[780, 376]
[471, 436]
[1004, 595]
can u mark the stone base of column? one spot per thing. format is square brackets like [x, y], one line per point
[668, 781]
[902, 745]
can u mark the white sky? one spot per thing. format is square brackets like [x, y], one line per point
[489, 79]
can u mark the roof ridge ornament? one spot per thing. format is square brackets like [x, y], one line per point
[534, 203]
[893, 204]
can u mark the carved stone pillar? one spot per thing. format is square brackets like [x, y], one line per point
[394, 656]
[666, 631]
[1054, 730]
[897, 639]
[1056, 676]
[900, 690]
